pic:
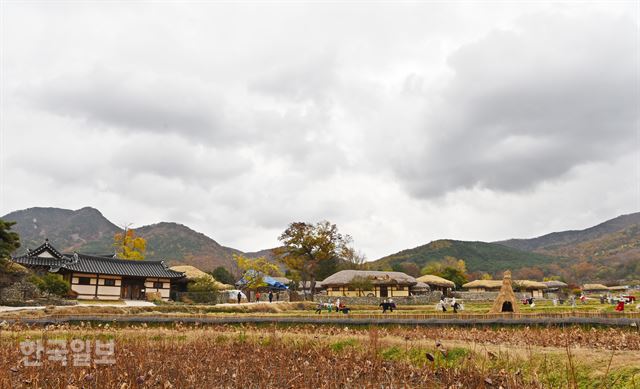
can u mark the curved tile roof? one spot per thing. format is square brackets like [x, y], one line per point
[83, 263]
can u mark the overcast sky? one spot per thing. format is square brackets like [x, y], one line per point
[402, 123]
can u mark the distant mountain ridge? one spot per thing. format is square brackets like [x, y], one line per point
[614, 244]
[612, 248]
[86, 230]
[555, 240]
[478, 256]
[607, 251]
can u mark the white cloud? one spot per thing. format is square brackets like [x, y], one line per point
[401, 123]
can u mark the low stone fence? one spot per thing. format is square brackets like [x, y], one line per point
[429, 298]
[22, 290]
[475, 296]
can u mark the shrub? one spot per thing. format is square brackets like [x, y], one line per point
[202, 290]
[222, 275]
[51, 284]
[202, 285]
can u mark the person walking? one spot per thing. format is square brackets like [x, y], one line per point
[239, 297]
[257, 297]
[270, 297]
[385, 305]
[443, 303]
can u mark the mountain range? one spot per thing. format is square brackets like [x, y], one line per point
[608, 251]
[611, 248]
[86, 230]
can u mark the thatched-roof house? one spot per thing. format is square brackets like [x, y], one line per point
[553, 286]
[619, 288]
[368, 283]
[420, 289]
[192, 273]
[437, 283]
[594, 288]
[506, 300]
[533, 288]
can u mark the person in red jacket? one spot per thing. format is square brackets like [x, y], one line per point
[620, 306]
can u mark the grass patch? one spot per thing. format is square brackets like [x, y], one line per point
[342, 344]
[392, 354]
[622, 378]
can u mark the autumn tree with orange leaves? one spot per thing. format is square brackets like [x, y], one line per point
[129, 246]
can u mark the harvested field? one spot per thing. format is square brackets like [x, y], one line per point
[159, 310]
[194, 356]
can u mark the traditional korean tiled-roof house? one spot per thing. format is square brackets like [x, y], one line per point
[382, 283]
[102, 277]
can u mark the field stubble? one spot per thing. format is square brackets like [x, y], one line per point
[227, 356]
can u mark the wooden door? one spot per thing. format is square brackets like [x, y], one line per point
[384, 292]
[132, 289]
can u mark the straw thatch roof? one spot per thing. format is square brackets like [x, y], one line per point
[497, 284]
[594, 287]
[344, 277]
[437, 281]
[619, 287]
[484, 284]
[191, 273]
[420, 286]
[14, 267]
[555, 284]
[528, 284]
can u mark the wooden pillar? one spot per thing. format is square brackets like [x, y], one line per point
[97, 282]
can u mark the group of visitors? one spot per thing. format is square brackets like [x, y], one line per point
[258, 296]
[444, 303]
[339, 306]
[387, 305]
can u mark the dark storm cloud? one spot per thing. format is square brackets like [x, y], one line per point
[527, 106]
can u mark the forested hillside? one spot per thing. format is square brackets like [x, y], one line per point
[479, 256]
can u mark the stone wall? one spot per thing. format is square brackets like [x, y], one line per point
[24, 293]
[22, 290]
[429, 298]
[475, 296]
